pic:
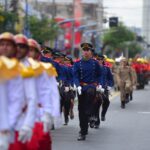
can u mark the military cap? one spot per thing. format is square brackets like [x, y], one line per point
[58, 54]
[21, 39]
[86, 45]
[34, 43]
[47, 50]
[8, 36]
[68, 58]
[101, 56]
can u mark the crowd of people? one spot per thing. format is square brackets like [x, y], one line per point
[38, 84]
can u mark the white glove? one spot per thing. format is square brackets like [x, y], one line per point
[102, 90]
[25, 134]
[98, 88]
[60, 83]
[79, 89]
[4, 141]
[71, 88]
[74, 87]
[66, 89]
[47, 124]
[109, 88]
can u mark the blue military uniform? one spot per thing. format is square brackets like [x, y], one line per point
[62, 78]
[70, 75]
[106, 81]
[65, 80]
[68, 96]
[106, 78]
[86, 75]
[55, 64]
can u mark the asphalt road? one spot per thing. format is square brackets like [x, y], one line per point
[124, 129]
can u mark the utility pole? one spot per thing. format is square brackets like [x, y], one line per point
[72, 30]
[14, 5]
[37, 5]
[146, 21]
[26, 26]
[100, 12]
[77, 15]
[53, 9]
[6, 5]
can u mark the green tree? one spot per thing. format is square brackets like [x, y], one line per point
[116, 37]
[8, 21]
[43, 29]
[134, 49]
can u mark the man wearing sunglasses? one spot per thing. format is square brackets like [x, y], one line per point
[86, 75]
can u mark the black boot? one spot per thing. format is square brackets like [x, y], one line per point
[97, 123]
[66, 120]
[103, 118]
[122, 104]
[131, 96]
[81, 137]
[86, 133]
[92, 121]
[127, 98]
[96, 126]
[71, 114]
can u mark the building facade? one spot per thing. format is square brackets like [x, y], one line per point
[66, 9]
[146, 21]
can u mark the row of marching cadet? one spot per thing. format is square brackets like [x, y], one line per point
[29, 96]
[127, 75]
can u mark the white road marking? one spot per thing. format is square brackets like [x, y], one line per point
[144, 112]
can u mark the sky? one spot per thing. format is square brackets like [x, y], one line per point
[128, 11]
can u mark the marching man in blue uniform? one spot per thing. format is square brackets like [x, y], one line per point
[86, 78]
[47, 56]
[106, 81]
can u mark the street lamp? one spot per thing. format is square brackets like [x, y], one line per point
[80, 28]
[71, 20]
[26, 26]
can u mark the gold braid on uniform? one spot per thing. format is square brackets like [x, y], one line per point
[51, 71]
[36, 66]
[9, 68]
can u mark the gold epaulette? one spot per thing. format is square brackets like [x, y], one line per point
[26, 71]
[49, 69]
[9, 68]
[3, 70]
[36, 66]
[1, 64]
